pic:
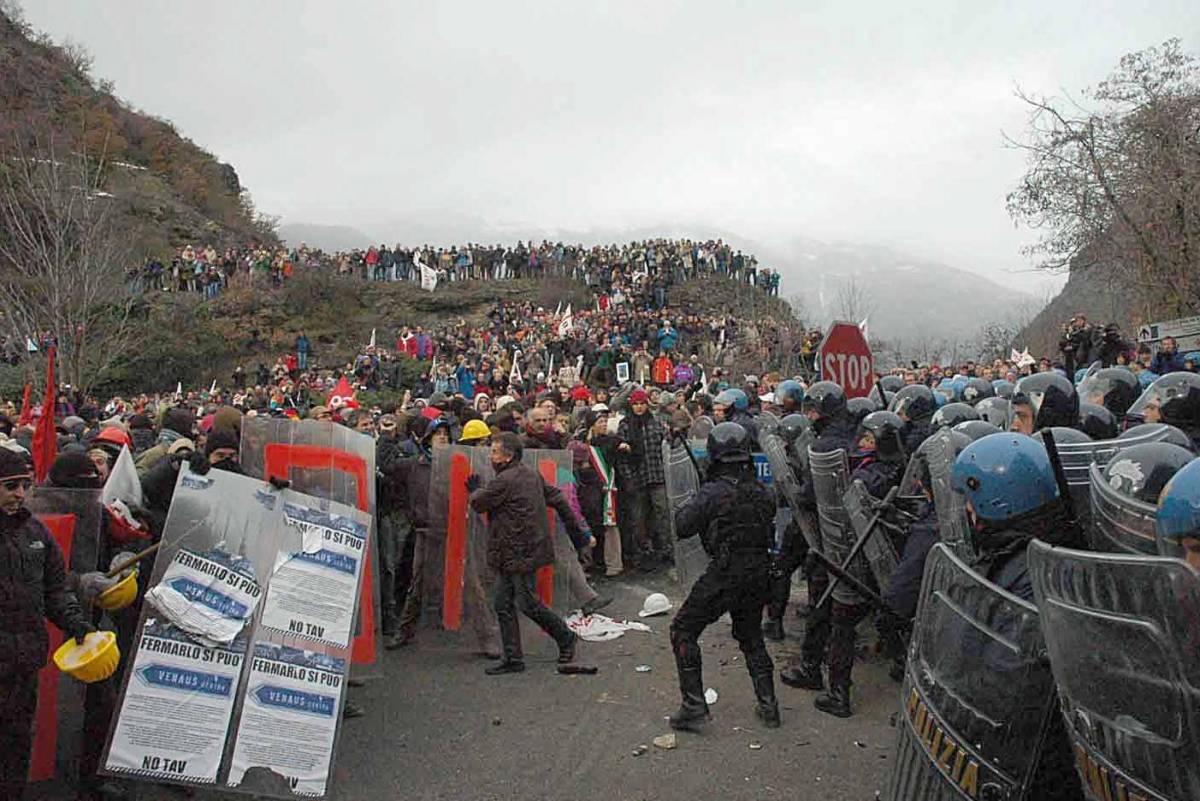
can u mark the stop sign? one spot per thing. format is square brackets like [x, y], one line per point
[845, 359]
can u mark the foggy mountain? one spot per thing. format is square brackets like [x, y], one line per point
[330, 238]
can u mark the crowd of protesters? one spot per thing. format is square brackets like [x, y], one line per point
[655, 262]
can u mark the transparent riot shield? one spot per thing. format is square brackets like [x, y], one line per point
[1121, 633]
[243, 569]
[1119, 523]
[768, 423]
[560, 584]
[682, 483]
[938, 453]
[977, 695]
[831, 479]
[787, 483]
[331, 461]
[877, 549]
[74, 519]
[700, 428]
[457, 584]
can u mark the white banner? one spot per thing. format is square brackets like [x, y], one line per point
[174, 679]
[428, 278]
[312, 591]
[290, 716]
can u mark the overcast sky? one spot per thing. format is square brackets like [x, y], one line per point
[870, 122]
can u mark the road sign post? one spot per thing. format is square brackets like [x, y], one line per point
[844, 357]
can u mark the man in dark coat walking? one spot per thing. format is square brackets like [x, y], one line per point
[518, 544]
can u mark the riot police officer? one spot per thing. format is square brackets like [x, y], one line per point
[733, 406]
[915, 405]
[733, 513]
[789, 394]
[793, 549]
[1173, 399]
[1043, 400]
[1178, 519]
[825, 407]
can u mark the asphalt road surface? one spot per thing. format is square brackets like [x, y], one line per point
[437, 728]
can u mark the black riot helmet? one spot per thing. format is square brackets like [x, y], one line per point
[1141, 471]
[977, 429]
[885, 427]
[729, 442]
[1052, 398]
[914, 403]
[858, 408]
[1160, 432]
[1065, 435]
[793, 426]
[1114, 388]
[976, 390]
[920, 460]
[994, 410]
[1003, 388]
[1098, 422]
[1173, 399]
[827, 399]
[952, 414]
[891, 383]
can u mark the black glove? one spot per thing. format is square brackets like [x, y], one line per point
[474, 482]
[81, 630]
[199, 464]
[279, 483]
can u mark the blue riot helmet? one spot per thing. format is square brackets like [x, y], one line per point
[732, 397]
[826, 399]
[1173, 399]
[1003, 388]
[1114, 388]
[1142, 471]
[976, 390]
[789, 395]
[1043, 400]
[1178, 515]
[891, 383]
[951, 389]
[1005, 476]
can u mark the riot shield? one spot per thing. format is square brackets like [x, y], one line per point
[787, 483]
[977, 696]
[457, 584]
[951, 507]
[1078, 458]
[682, 483]
[556, 583]
[1121, 633]
[831, 479]
[877, 549]
[768, 423]
[74, 518]
[1119, 523]
[700, 428]
[329, 461]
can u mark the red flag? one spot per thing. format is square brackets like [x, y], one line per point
[342, 396]
[45, 440]
[26, 408]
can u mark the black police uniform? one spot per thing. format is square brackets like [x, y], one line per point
[733, 513]
[916, 432]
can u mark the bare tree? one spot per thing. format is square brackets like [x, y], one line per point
[62, 259]
[853, 301]
[1115, 184]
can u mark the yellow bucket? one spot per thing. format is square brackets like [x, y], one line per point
[120, 595]
[93, 661]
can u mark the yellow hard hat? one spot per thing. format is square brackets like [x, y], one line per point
[475, 430]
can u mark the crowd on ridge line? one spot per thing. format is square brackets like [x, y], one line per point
[618, 506]
[656, 263]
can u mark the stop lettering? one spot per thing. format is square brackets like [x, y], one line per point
[845, 358]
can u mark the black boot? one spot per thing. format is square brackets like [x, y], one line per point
[693, 712]
[768, 707]
[835, 702]
[772, 628]
[803, 675]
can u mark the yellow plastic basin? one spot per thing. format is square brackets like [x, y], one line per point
[120, 595]
[93, 661]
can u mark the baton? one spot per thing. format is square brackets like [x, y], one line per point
[862, 589]
[1060, 478]
[133, 560]
[861, 542]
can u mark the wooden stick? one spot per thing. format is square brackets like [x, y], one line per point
[133, 560]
